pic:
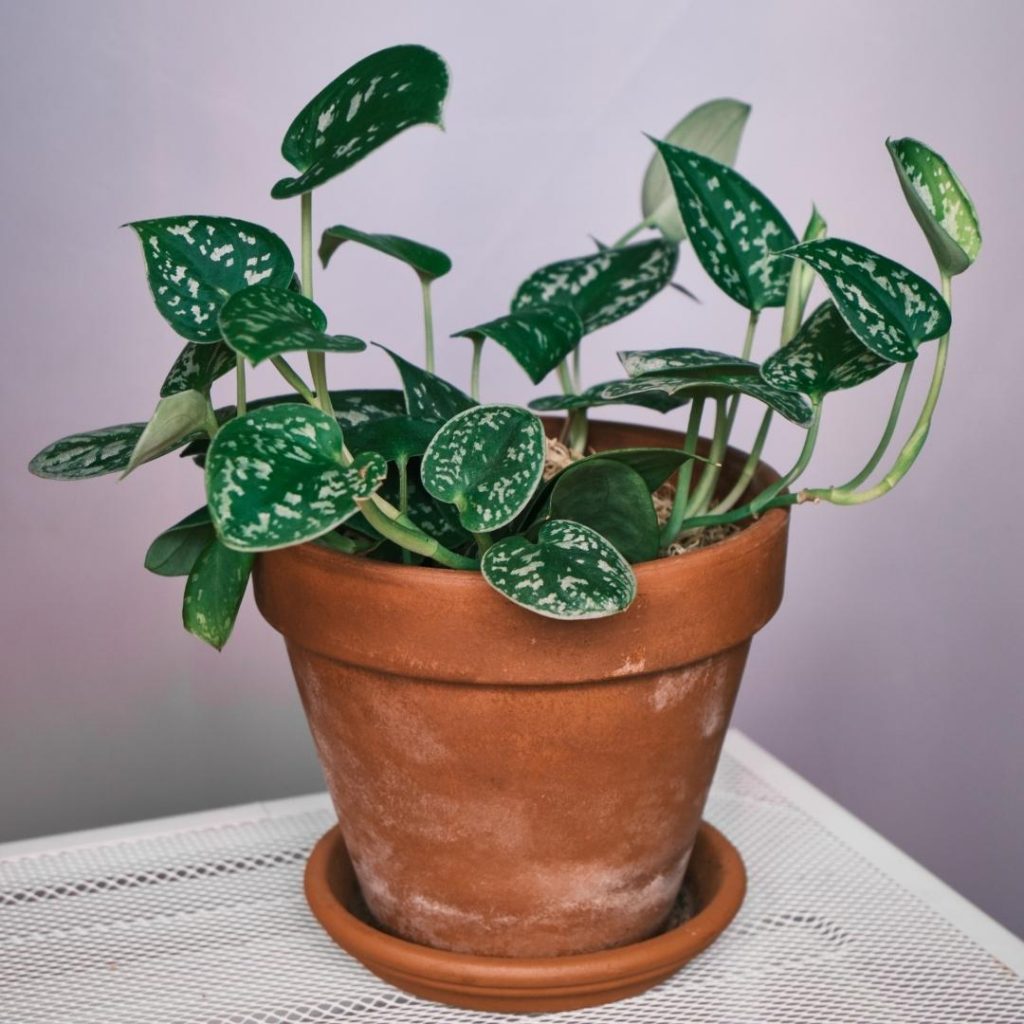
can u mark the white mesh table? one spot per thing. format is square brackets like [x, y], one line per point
[201, 920]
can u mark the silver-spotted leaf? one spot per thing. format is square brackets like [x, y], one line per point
[214, 592]
[176, 419]
[825, 355]
[604, 286]
[363, 108]
[354, 408]
[890, 308]
[593, 397]
[88, 454]
[427, 396]
[275, 478]
[939, 202]
[733, 227]
[396, 438]
[195, 263]
[713, 129]
[817, 227]
[487, 462]
[684, 360]
[571, 572]
[429, 263]
[264, 322]
[175, 551]
[197, 367]
[537, 337]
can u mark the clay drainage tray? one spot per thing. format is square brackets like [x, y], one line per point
[714, 889]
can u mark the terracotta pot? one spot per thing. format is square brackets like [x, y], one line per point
[510, 785]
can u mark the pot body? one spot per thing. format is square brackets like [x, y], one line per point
[511, 785]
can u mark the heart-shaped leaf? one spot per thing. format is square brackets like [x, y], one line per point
[537, 337]
[175, 551]
[713, 129]
[939, 202]
[427, 396]
[570, 573]
[604, 286]
[685, 360]
[487, 462]
[214, 592]
[195, 263]
[719, 382]
[197, 367]
[363, 108]
[890, 308]
[275, 478]
[611, 499]
[177, 419]
[594, 397]
[428, 263]
[734, 228]
[825, 355]
[264, 322]
[88, 454]
[397, 438]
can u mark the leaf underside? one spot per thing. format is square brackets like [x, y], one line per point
[428, 262]
[639, 363]
[175, 551]
[176, 419]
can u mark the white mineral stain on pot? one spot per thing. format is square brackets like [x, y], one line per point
[671, 688]
[631, 667]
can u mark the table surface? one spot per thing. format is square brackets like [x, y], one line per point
[200, 919]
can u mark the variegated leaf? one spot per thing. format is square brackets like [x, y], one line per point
[429, 263]
[427, 396]
[275, 477]
[733, 227]
[195, 263]
[363, 108]
[396, 438]
[354, 408]
[214, 592]
[684, 360]
[264, 322]
[176, 419]
[88, 454]
[890, 308]
[713, 129]
[604, 286]
[594, 397]
[939, 202]
[175, 551]
[570, 573]
[537, 337]
[817, 228]
[487, 462]
[825, 355]
[718, 382]
[197, 367]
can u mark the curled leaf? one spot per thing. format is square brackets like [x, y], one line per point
[429, 263]
[684, 360]
[177, 419]
[175, 551]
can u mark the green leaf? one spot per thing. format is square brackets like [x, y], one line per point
[264, 322]
[195, 263]
[176, 419]
[604, 286]
[570, 573]
[364, 107]
[734, 228]
[398, 438]
[427, 396]
[214, 592]
[939, 202]
[611, 499]
[825, 355]
[719, 382]
[175, 551]
[197, 367]
[436, 518]
[487, 462]
[351, 408]
[890, 308]
[428, 263]
[275, 478]
[817, 227]
[88, 454]
[537, 337]
[594, 397]
[685, 360]
[713, 129]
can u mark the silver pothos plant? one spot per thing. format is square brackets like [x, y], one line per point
[427, 474]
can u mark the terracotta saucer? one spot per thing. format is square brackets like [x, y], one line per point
[713, 891]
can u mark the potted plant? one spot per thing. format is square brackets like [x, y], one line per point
[518, 639]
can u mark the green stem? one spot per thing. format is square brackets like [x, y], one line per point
[748, 347]
[565, 378]
[284, 368]
[646, 223]
[483, 541]
[890, 429]
[239, 385]
[428, 323]
[317, 360]
[211, 426]
[793, 312]
[474, 373]
[749, 467]
[403, 484]
[705, 488]
[577, 369]
[403, 532]
[682, 495]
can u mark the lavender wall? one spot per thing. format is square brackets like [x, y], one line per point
[889, 678]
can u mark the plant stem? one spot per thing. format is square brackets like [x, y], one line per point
[577, 369]
[239, 384]
[483, 541]
[682, 495]
[748, 346]
[705, 488]
[749, 467]
[646, 223]
[793, 312]
[474, 373]
[428, 323]
[211, 426]
[284, 368]
[890, 429]
[406, 534]
[403, 484]
[317, 360]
